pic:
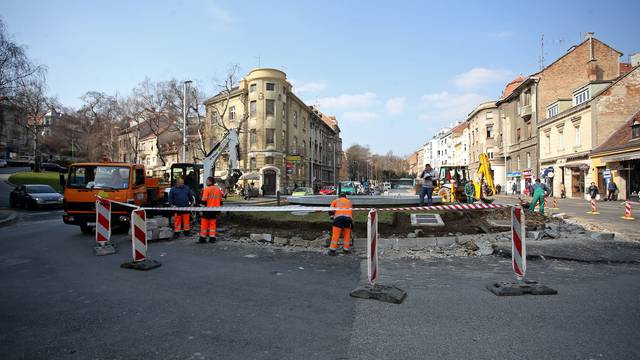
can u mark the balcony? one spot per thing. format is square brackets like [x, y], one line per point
[525, 111]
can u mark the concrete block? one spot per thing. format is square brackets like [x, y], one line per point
[463, 239]
[603, 236]
[446, 241]
[411, 235]
[535, 235]
[409, 243]
[261, 237]
[298, 241]
[426, 242]
[282, 241]
[165, 233]
[418, 232]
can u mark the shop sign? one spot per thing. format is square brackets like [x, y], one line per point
[294, 158]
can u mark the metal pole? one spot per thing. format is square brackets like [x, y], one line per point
[334, 162]
[184, 120]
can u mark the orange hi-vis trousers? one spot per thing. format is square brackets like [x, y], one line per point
[181, 222]
[335, 237]
[207, 227]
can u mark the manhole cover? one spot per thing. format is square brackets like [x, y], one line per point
[426, 220]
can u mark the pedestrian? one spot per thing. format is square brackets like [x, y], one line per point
[181, 196]
[563, 191]
[211, 197]
[428, 176]
[514, 188]
[470, 191]
[611, 187]
[539, 190]
[593, 191]
[342, 223]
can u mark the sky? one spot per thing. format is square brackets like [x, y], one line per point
[392, 72]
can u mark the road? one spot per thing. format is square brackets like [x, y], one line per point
[226, 301]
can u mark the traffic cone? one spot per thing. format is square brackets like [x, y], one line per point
[594, 208]
[627, 211]
[555, 204]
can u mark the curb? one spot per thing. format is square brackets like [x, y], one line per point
[8, 219]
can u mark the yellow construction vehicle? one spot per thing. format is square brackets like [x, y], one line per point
[484, 175]
[451, 180]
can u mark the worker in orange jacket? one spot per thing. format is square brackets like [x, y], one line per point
[211, 197]
[342, 223]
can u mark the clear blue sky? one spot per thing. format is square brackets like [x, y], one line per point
[393, 72]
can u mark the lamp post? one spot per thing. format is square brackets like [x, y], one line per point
[184, 119]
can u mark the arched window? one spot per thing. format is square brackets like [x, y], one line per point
[295, 119]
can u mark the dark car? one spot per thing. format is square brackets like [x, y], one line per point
[35, 196]
[49, 167]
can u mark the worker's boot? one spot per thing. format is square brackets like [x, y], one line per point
[187, 233]
[202, 240]
[176, 234]
[213, 239]
[346, 251]
[331, 252]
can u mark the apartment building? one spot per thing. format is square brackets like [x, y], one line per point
[483, 123]
[460, 139]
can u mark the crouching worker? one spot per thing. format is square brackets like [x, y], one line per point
[211, 197]
[342, 222]
[181, 196]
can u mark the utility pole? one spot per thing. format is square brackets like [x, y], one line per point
[184, 119]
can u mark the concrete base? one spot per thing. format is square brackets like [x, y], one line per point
[390, 294]
[593, 213]
[520, 288]
[106, 249]
[143, 265]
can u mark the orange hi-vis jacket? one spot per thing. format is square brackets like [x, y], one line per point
[344, 207]
[212, 196]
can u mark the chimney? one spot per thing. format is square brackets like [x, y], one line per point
[634, 59]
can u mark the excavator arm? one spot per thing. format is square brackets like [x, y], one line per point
[483, 174]
[231, 144]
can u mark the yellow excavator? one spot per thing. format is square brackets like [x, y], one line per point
[484, 174]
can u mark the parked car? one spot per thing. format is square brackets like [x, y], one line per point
[302, 191]
[48, 166]
[328, 190]
[3, 163]
[33, 196]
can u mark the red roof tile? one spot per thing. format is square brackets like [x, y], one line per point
[512, 85]
[625, 68]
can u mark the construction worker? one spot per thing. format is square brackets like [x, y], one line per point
[539, 192]
[470, 191]
[181, 196]
[211, 197]
[342, 222]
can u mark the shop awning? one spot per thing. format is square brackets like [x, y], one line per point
[579, 166]
[622, 157]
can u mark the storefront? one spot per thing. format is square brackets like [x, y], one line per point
[513, 178]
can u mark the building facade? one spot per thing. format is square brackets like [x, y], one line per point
[573, 127]
[285, 142]
[460, 139]
[483, 123]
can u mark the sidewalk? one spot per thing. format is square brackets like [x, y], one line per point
[609, 219]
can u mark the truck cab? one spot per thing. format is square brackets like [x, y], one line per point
[191, 173]
[122, 182]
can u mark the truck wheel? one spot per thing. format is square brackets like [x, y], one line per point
[86, 229]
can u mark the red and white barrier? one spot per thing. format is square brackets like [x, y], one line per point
[627, 212]
[103, 221]
[554, 205]
[139, 243]
[372, 246]
[594, 208]
[139, 235]
[518, 242]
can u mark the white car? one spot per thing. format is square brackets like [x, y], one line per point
[3, 163]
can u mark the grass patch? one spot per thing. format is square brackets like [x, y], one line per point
[45, 178]
[385, 217]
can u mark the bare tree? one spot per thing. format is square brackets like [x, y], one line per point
[98, 118]
[31, 99]
[15, 66]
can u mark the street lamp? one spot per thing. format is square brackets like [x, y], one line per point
[184, 119]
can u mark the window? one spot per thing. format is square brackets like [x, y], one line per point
[552, 110]
[635, 129]
[577, 135]
[518, 163]
[252, 164]
[268, 160]
[252, 136]
[271, 87]
[548, 142]
[270, 136]
[253, 108]
[490, 154]
[526, 99]
[271, 107]
[560, 139]
[489, 115]
[518, 134]
[214, 117]
[581, 97]
[232, 113]
[252, 88]
[294, 148]
[139, 177]
[490, 132]
[528, 160]
[529, 132]
[295, 119]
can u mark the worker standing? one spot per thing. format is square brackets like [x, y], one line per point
[539, 192]
[342, 223]
[211, 197]
[181, 196]
[470, 191]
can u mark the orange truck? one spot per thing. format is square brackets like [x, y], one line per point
[121, 182]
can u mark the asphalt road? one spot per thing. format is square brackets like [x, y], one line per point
[5, 188]
[224, 301]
